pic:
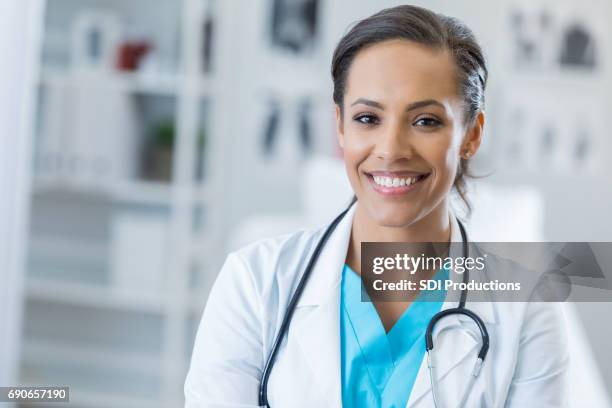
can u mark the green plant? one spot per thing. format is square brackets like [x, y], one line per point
[164, 133]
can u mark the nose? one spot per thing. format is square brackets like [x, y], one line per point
[394, 142]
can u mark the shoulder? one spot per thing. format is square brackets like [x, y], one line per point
[544, 319]
[521, 311]
[532, 319]
[273, 259]
[276, 245]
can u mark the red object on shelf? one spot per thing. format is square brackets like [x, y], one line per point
[131, 53]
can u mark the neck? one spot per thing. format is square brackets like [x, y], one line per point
[434, 227]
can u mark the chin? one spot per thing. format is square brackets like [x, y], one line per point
[392, 215]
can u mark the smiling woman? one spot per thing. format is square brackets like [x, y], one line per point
[285, 324]
[409, 92]
[415, 93]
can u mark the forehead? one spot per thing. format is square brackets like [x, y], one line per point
[402, 70]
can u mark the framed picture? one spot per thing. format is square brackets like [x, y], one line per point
[95, 37]
[553, 130]
[556, 36]
[294, 25]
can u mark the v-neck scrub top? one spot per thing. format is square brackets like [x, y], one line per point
[378, 368]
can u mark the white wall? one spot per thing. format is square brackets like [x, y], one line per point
[19, 25]
[578, 213]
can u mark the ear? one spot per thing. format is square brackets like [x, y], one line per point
[339, 127]
[473, 136]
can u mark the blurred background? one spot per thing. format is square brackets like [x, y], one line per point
[145, 139]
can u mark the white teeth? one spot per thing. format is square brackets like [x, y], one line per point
[395, 181]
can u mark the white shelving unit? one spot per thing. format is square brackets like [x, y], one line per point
[124, 347]
[88, 333]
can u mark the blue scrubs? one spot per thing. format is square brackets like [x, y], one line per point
[378, 368]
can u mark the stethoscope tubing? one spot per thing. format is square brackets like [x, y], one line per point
[429, 345]
[263, 387]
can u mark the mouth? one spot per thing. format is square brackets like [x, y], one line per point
[396, 183]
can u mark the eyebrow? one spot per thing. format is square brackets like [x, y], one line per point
[412, 106]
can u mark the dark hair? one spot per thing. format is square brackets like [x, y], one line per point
[431, 29]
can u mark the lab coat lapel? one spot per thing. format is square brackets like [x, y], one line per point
[318, 329]
[456, 340]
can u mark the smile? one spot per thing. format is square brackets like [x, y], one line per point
[390, 184]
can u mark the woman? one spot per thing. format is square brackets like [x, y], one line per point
[409, 92]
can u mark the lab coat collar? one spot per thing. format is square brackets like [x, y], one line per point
[318, 331]
[327, 272]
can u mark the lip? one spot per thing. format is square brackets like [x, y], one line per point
[398, 174]
[395, 191]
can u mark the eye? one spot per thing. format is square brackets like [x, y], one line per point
[366, 119]
[427, 122]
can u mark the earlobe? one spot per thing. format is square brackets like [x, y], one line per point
[473, 137]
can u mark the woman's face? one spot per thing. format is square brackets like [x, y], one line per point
[402, 130]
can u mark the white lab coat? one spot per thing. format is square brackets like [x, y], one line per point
[525, 367]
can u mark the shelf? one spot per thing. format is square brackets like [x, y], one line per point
[129, 192]
[100, 399]
[99, 385]
[166, 84]
[135, 83]
[145, 192]
[85, 250]
[38, 351]
[94, 296]
[91, 399]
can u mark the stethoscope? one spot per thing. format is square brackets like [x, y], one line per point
[429, 345]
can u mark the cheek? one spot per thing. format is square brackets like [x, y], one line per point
[356, 150]
[450, 162]
[442, 156]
